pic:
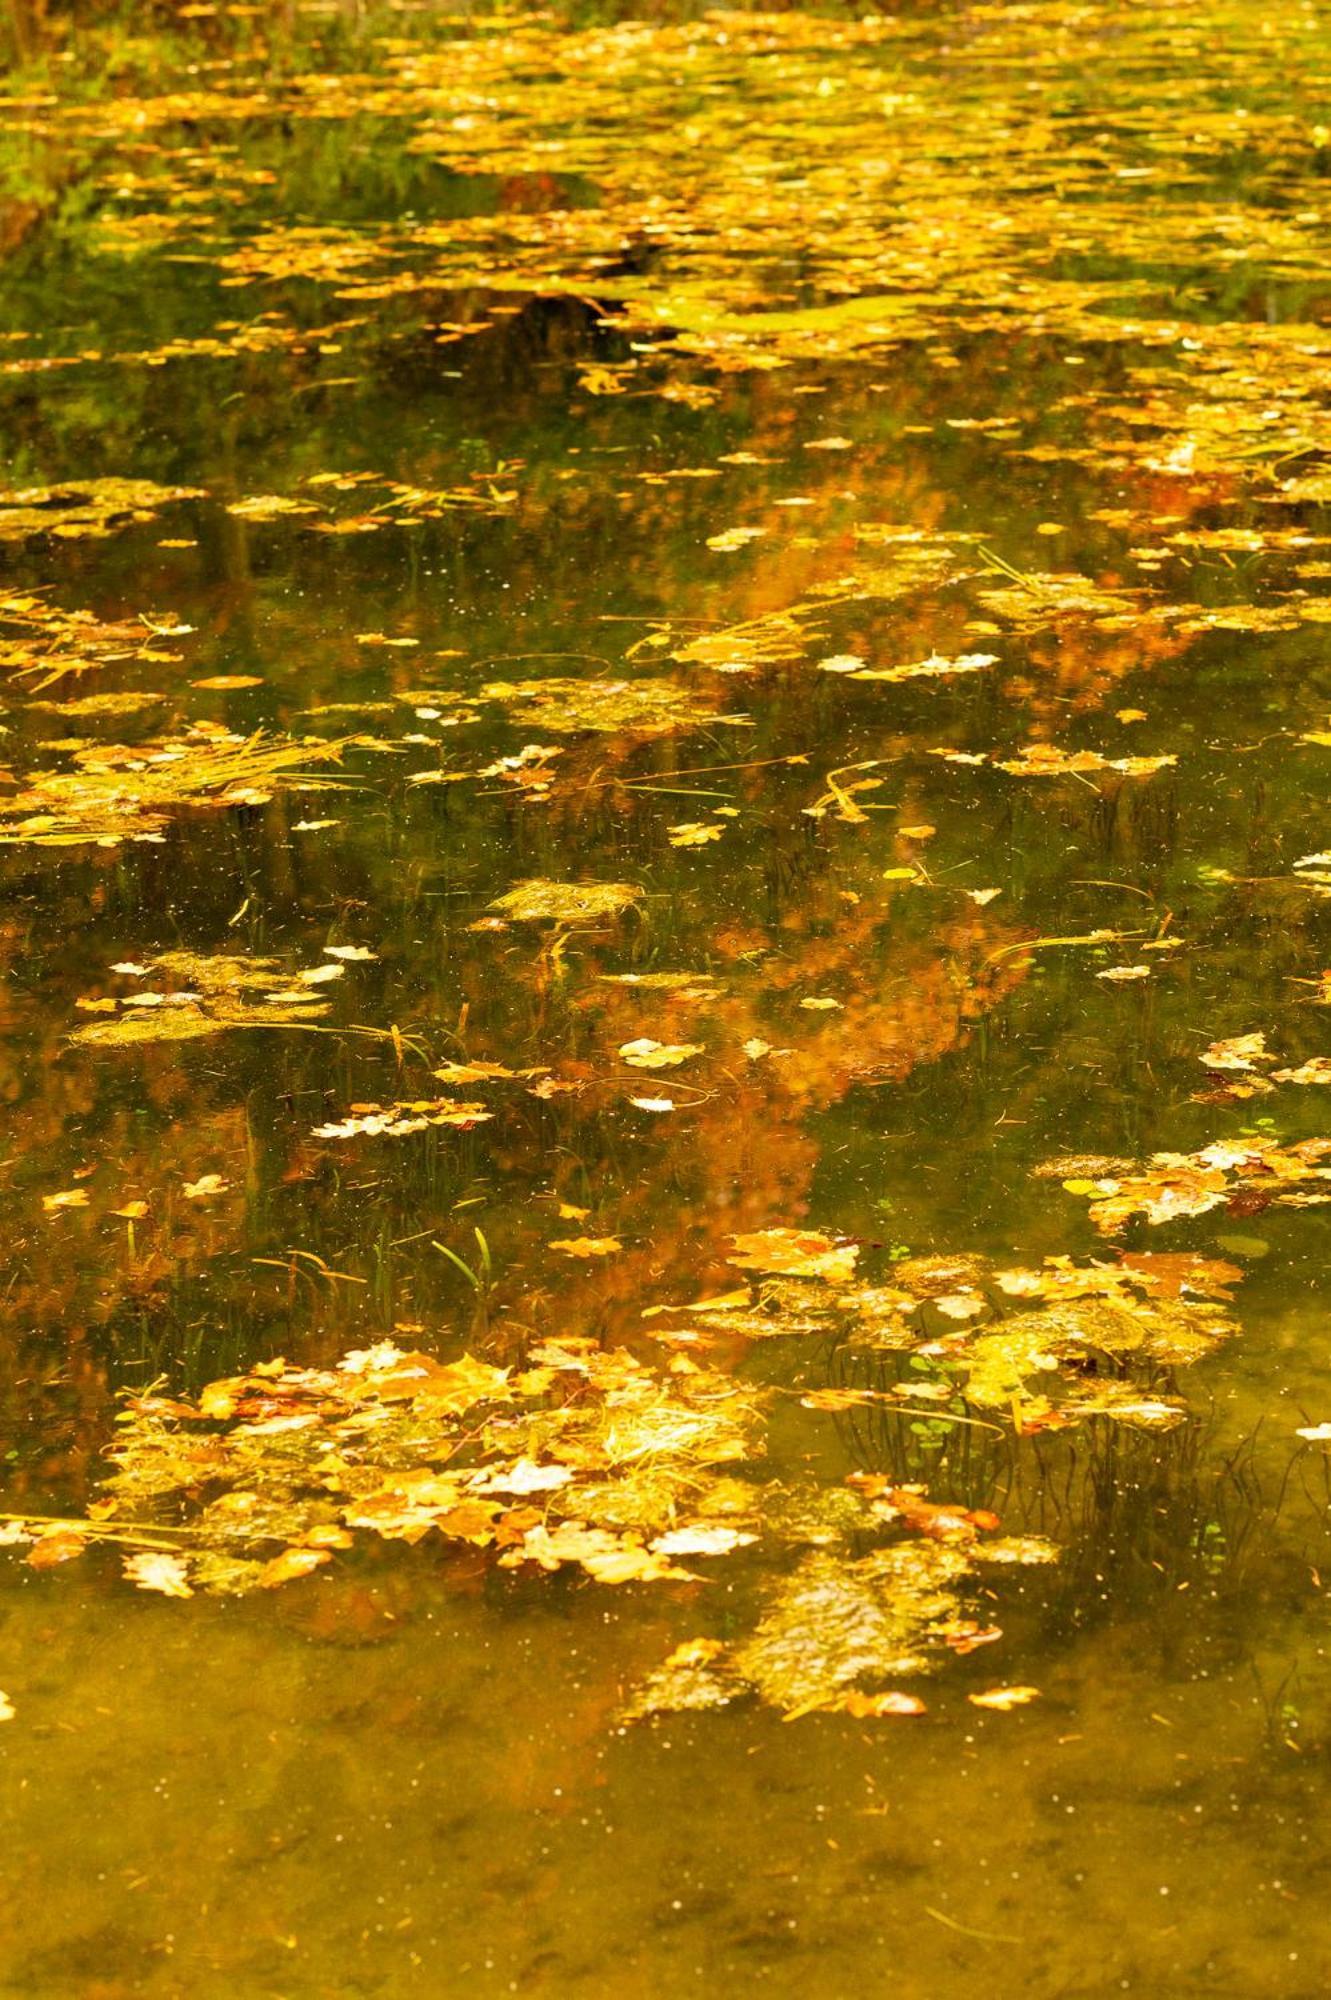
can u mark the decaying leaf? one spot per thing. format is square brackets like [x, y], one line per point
[292, 1563]
[646, 707]
[835, 1623]
[212, 995]
[53, 1545]
[622, 1459]
[892, 1702]
[1243, 1053]
[1004, 1698]
[1045, 760]
[149, 1570]
[117, 793]
[647, 1054]
[396, 1121]
[832, 1624]
[694, 1676]
[54, 1204]
[540, 902]
[1317, 1069]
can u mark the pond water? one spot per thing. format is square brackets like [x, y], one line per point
[853, 495]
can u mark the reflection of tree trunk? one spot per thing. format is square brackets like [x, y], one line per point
[28, 27]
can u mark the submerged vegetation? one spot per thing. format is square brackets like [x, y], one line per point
[718, 616]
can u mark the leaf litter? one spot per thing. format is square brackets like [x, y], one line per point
[582, 1459]
[213, 994]
[116, 792]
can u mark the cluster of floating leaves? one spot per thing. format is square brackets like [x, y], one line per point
[91, 508]
[834, 1623]
[208, 996]
[540, 902]
[644, 707]
[714, 259]
[1241, 1066]
[42, 644]
[1043, 1348]
[1245, 1175]
[581, 1459]
[117, 792]
[948, 224]
[903, 245]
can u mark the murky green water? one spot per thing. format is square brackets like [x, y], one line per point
[410, 1773]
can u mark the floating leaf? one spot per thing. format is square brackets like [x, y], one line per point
[541, 902]
[396, 1121]
[1240, 1052]
[1004, 1698]
[734, 538]
[54, 1204]
[892, 1702]
[647, 1054]
[292, 1563]
[647, 707]
[117, 793]
[795, 1253]
[587, 1246]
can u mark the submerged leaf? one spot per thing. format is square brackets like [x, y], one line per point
[892, 1702]
[542, 902]
[1004, 1698]
[647, 1054]
[604, 707]
[149, 1570]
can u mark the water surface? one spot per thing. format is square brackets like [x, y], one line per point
[1003, 331]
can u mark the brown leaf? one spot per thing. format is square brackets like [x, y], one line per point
[59, 1545]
